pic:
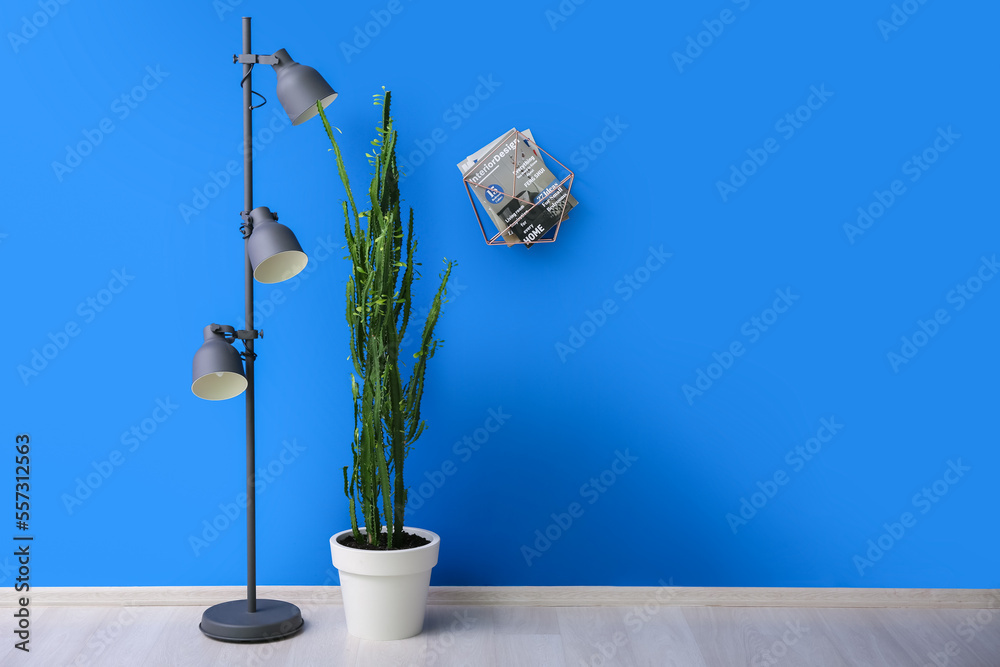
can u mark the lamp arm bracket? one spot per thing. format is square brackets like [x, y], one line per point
[244, 334]
[246, 228]
[252, 59]
[228, 332]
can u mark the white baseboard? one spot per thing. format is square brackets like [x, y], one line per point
[533, 596]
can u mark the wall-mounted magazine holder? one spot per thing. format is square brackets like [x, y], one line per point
[529, 209]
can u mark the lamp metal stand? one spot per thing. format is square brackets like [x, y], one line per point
[250, 620]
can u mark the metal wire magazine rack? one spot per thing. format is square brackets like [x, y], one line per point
[516, 161]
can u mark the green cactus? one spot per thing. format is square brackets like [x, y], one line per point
[386, 411]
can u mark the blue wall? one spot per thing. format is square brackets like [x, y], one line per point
[718, 374]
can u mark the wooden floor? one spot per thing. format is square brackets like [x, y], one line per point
[481, 636]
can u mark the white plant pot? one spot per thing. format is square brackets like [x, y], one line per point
[385, 592]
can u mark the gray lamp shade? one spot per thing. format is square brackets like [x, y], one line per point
[217, 372]
[275, 253]
[300, 87]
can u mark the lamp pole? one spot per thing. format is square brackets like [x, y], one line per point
[271, 254]
[248, 318]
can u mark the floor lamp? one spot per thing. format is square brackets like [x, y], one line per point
[272, 254]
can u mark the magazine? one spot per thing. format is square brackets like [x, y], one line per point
[516, 188]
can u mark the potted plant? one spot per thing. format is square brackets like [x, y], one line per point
[385, 566]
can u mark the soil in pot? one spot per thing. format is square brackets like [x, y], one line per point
[400, 541]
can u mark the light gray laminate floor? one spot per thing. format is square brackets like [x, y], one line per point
[483, 636]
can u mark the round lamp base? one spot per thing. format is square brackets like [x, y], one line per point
[231, 622]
